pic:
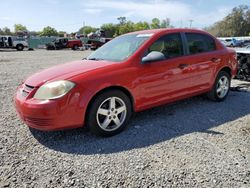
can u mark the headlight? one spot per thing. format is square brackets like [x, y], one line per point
[54, 90]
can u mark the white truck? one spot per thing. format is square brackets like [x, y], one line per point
[18, 43]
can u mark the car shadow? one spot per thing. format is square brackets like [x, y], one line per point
[153, 126]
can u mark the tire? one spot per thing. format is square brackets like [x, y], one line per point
[19, 47]
[75, 47]
[221, 87]
[104, 119]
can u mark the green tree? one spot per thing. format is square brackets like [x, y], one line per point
[236, 23]
[87, 29]
[34, 33]
[110, 29]
[122, 20]
[126, 28]
[165, 23]
[61, 33]
[6, 31]
[19, 28]
[49, 31]
[141, 26]
[155, 24]
[1, 32]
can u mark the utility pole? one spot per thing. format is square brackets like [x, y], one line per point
[190, 25]
[83, 25]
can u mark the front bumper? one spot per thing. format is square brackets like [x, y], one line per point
[47, 115]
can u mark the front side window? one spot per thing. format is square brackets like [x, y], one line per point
[199, 43]
[170, 45]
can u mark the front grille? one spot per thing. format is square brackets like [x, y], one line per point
[26, 90]
[39, 121]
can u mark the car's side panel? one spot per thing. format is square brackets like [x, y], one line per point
[149, 84]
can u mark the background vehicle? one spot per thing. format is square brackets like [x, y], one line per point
[13, 42]
[57, 44]
[95, 44]
[97, 39]
[74, 44]
[64, 43]
[243, 56]
[233, 43]
[131, 73]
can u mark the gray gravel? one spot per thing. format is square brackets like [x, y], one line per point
[192, 143]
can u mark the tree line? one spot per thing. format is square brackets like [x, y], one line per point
[236, 23]
[111, 30]
[125, 26]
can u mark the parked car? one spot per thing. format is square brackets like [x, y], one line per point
[233, 43]
[243, 56]
[74, 44]
[14, 42]
[246, 43]
[62, 43]
[131, 73]
[57, 44]
[95, 44]
[245, 49]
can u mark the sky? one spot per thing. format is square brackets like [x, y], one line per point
[69, 16]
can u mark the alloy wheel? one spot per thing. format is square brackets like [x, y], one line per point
[111, 114]
[222, 87]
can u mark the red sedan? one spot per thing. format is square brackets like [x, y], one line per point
[131, 73]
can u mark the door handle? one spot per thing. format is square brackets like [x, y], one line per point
[216, 60]
[182, 66]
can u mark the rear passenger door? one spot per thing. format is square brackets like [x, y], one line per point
[202, 59]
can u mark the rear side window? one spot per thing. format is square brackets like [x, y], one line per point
[199, 43]
[170, 45]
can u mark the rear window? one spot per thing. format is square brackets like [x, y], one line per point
[199, 43]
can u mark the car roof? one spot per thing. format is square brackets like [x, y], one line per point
[165, 30]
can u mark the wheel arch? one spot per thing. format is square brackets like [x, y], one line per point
[226, 69]
[120, 88]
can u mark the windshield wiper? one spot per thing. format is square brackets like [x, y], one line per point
[95, 59]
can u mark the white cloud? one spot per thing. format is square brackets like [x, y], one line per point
[5, 18]
[92, 10]
[147, 10]
[211, 17]
[179, 12]
[52, 2]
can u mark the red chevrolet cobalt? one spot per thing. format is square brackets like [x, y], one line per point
[133, 72]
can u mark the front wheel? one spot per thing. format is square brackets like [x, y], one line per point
[221, 87]
[109, 113]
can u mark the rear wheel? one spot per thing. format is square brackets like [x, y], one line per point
[109, 113]
[75, 47]
[221, 87]
[19, 47]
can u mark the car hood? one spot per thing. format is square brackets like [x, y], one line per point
[65, 71]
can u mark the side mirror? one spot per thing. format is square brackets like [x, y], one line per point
[153, 56]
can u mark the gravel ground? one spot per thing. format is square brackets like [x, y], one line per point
[192, 143]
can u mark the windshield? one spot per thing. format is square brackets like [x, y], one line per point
[120, 48]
